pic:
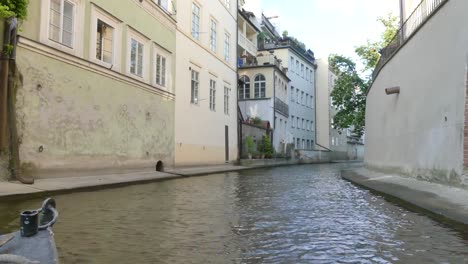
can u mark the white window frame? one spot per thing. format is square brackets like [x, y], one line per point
[195, 94]
[195, 32]
[227, 98]
[291, 66]
[213, 95]
[98, 14]
[227, 47]
[157, 50]
[292, 122]
[213, 41]
[78, 32]
[132, 34]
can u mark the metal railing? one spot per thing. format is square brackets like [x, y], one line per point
[287, 42]
[419, 16]
[281, 107]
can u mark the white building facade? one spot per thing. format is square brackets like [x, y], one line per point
[206, 85]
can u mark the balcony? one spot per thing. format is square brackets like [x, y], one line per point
[246, 44]
[262, 60]
[415, 21]
[288, 43]
[281, 107]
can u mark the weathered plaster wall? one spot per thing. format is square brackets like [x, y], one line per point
[84, 120]
[420, 131]
[4, 173]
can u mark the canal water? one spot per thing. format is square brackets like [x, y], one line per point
[301, 214]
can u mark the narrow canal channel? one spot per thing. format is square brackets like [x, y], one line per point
[302, 214]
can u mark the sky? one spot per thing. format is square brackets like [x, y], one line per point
[327, 26]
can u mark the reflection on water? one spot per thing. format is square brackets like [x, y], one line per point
[302, 214]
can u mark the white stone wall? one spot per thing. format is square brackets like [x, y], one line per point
[420, 131]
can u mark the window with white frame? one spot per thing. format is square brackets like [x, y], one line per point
[302, 98]
[213, 36]
[104, 42]
[291, 64]
[307, 74]
[136, 57]
[297, 96]
[163, 4]
[194, 87]
[212, 95]
[292, 94]
[244, 90]
[302, 70]
[297, 67]
[161, 62]
[292, 121]
[260, 86]
[227, 97]
[307, 100]
[303, 124]
[227, 46]
[196, 21]
[61, 22]
[298, 123]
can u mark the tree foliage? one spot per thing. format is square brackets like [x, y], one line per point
[14, 8]
[350, 89]
[349, 95]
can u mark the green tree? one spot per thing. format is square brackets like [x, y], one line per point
[369, 53]
[350, 89]
[14, 8]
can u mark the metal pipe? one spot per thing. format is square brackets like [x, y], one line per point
[392, 90]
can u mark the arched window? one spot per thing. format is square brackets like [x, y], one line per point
[259, 86]
[244, 90]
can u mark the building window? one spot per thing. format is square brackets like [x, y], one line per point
[61, 22]
[298, 123]
[312, 76]
[292, 121]
[195, 21]
[260, 86]
[161, 70]
[212, 95]
[104, 42]
[226, 100]
[297, 67]
[307, 74]
[136, 57]
[298, 143]
[244, 90]
[194, 87]
[311, 101]
[213, 36]
[297, 96]
[227, 47]
[162, 3]
[302, 98]
[303, 144]
[291, 64]
[307, 100]
[302, 70]
[292, 94]
[303, 124]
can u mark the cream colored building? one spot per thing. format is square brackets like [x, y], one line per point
[325, 78]
[206, 84]
[97, 86]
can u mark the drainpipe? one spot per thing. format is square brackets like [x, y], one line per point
[8, 85]
[402, 20]
[239, 125]
[274, 106]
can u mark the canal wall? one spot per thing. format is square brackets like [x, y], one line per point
[4, 173]
[71, 117]
[420, 131]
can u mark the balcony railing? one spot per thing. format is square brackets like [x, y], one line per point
[287, 42]
[419, 16]
[281, 107]
[248, 45]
